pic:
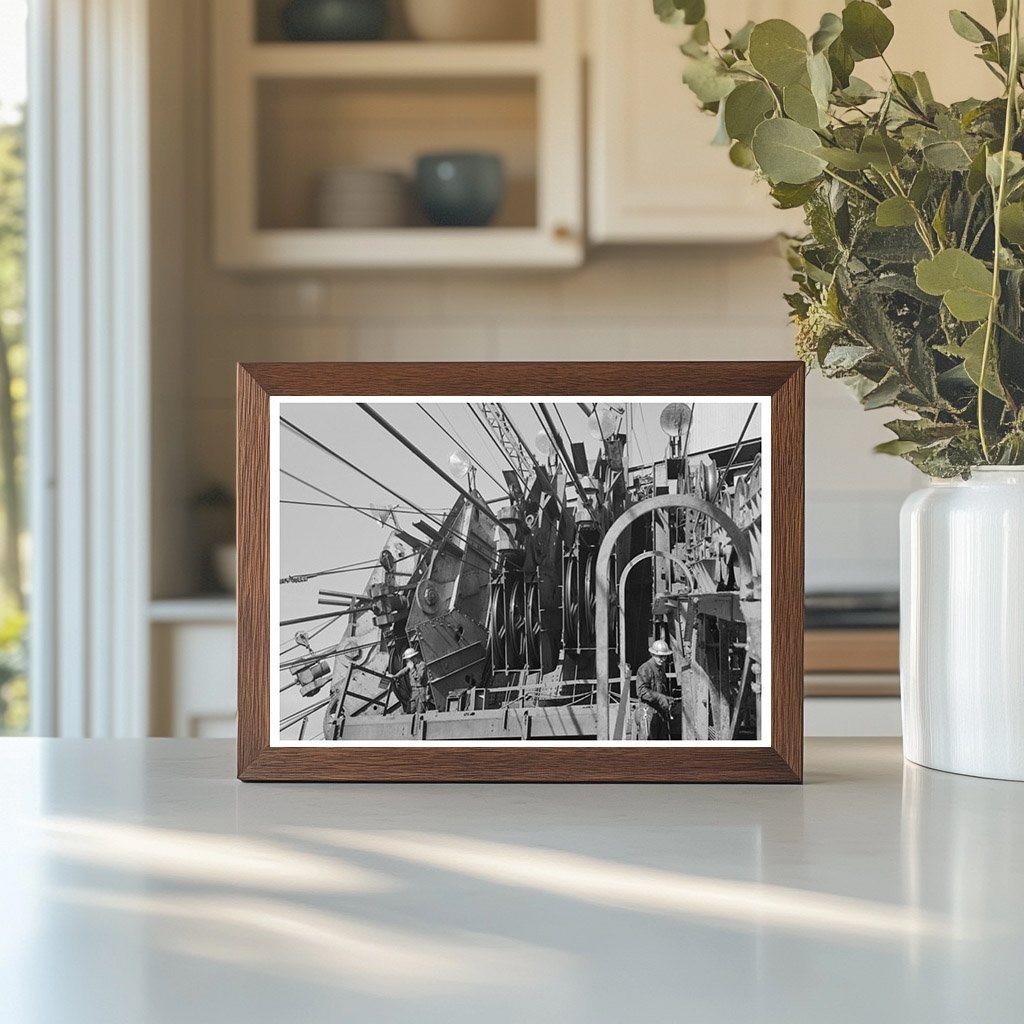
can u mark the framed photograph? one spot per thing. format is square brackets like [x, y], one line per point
[520, 572]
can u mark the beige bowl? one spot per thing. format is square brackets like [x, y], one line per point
[471, 20]
[357, 197]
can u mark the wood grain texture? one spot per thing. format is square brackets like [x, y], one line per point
[852, 650]
[781, 762]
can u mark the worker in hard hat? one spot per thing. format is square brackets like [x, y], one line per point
[654, 712]
[411, 683]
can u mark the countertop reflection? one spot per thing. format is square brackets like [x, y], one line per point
[143, 884]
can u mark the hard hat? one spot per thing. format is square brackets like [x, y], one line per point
[410, 652]
[660, 649]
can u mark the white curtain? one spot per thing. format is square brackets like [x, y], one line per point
[88, 318]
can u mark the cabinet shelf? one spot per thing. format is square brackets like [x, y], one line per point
[310, 248]
[393, 60]
[286, 114]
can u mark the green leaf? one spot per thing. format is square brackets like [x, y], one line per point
[971, 352]
[844, 159]
[883, 153]
[829, 30]
[885, 394]
[969, 28]
[741, 155]
[676, 12]
[785, 152]
[896, 212]
[841, 60]
[896, 447]
[739, 41]
[999, 7]
[946, 156]
[994, 168]
[789, 197]
[866, 29]
[778, 50]
[963, 281]
[939, 220]
[745, 108]
[800, 105]
[921, 185]
[924, 87]
[708, 80]
[820, 77]
[906, 89]
[976, 173]
[923, 431]
[858, 91]
[1012, 224]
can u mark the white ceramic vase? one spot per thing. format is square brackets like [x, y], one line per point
[962, 624]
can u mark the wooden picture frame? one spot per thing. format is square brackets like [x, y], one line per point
[777, 758]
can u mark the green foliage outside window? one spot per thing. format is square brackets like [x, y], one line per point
[13, 413]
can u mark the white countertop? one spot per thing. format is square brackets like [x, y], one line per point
[143, 884]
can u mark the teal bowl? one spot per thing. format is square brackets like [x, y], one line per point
[334, 21]
[460, 190]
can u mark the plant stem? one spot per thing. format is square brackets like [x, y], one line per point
[853, 185]
[922, 225]
[993, 309]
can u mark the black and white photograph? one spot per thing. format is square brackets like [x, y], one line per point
[466, 571]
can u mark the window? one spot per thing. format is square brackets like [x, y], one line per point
[14, 693]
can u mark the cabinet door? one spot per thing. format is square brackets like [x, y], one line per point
[654, 175]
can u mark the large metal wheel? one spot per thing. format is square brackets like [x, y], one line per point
[588, 599]
[571, 602]
[497, 627]
[515, 633]
[534, 627]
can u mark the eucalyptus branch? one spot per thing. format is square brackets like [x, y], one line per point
[853, 185]
[993, 309]
[981, 231]
[923, 227]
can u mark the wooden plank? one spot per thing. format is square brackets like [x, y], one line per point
[401, 59]
[852, 650]
[852, 684]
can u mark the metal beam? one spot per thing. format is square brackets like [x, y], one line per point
[604, 556]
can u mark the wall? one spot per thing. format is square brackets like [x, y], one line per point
[663, 303]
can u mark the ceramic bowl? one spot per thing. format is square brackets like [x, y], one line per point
[359, 197]
[460, 189]
[334, 20]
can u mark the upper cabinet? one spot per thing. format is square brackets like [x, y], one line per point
[653, 174]
[317, 142]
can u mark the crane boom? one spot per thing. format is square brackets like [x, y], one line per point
[505, 434]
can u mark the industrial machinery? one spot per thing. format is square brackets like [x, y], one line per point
[531, 612]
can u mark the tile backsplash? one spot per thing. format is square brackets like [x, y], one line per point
[701, 303]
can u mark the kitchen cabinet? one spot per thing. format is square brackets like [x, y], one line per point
[286, 113]
[653, 175]
[193, 670]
